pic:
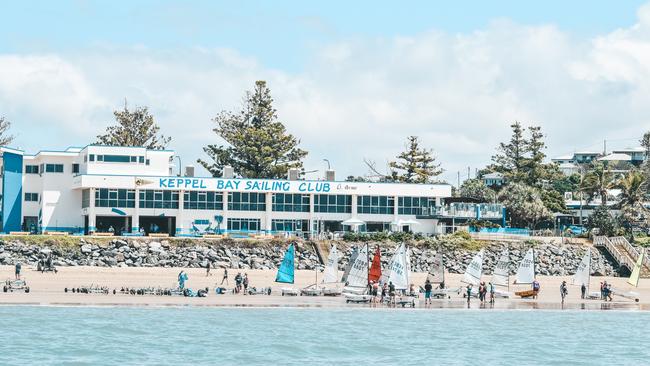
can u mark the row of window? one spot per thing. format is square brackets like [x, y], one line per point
[289, 225]
[244, 224]
[203, 200]
[116, 159]
[49, 168]
[375, 205]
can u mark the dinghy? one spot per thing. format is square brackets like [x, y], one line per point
[501, 275]
[356, 281]
[331, 275]
[583, 276]
[286, 271]
[526, 274]
[474, 270]
[436, 275]
[398, 268]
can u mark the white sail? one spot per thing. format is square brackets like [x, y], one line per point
[501, 274]
[436, 271]
[332, 267]
[526, 270]
[474, 269]
[398, 269]
[348, 267]
[584, 271]
[358, 276]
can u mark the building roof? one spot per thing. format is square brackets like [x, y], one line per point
[637, 149]
[615, 157]
[494, 175]
[564, 157]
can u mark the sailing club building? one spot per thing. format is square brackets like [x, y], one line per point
[133, 191]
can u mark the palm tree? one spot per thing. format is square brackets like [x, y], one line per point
[631, 198]
[596, 182]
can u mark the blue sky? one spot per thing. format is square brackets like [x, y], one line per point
[351, 79]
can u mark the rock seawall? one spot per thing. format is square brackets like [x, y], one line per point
[552, 259]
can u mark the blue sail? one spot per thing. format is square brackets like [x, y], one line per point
[285, 272]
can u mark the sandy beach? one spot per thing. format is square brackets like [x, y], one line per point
[48, 289]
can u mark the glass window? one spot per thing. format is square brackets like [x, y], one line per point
[75, 168]
[31, 197]
[100, 157]
[54, 168]
[289, 225]
[333, 203]
[92, 157]
[202, 200]
[150, 198]
[141, 159]
[116, 158]
[85, 198]
[236, 224]
[376, 205]
[415, 205]
[290, 202]
[31, 169]
[238, 201]
[119, 198]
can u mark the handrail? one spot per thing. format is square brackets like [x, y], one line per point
[613, 250]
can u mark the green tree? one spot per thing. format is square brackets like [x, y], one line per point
[535, 169]
[5, 139]
[258, 145]
[524, 205]
[567, 183]
[596, 182]
[602, 219]
[134, 128]
[415, 165]
[352, 178]
[510, 158]
[476, 188]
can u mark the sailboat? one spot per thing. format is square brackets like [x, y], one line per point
[583, 275]
[526, 274]
[286, 271]
[501, 274]
[474, 270]
[375, 269]
[633, 280]
[436, 275]
[356, 281]
[399, 267]
[331, 275]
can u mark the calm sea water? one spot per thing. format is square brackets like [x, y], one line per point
[290, 336]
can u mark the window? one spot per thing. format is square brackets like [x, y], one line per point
[116, 158]
[85, 198]
[54, 168]
[415, 205]
[141, 159]
[92, 157]
[376, 205]
[147, 162]
[75, 168]
[134, 159]
[31, 169]
[100, 157]
[290, 202]
[236, 224]
[339, 203]
[150, 198]
[122, 198]
[31, 197]
[289, 225]
[201, 200]
[238, 201]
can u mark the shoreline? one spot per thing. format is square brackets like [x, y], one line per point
[47, 289]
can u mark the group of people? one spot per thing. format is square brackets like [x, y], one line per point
[483, 290]
[241, 281]
[605, 291]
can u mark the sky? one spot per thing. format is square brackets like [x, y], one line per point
[350, 79]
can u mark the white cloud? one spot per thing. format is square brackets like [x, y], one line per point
[359, 97]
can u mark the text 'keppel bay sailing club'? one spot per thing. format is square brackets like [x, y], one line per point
[245, 185]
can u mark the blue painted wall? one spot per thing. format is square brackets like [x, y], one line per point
[12, 192]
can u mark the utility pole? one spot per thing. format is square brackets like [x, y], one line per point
[458, 184]
[468, 173]
[604, 147]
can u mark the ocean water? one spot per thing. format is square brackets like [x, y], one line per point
[316, 336]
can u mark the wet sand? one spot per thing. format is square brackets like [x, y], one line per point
[48, 289]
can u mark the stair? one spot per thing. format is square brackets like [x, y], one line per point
[623, 253]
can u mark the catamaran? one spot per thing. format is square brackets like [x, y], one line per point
[286, 271]
[526, 274]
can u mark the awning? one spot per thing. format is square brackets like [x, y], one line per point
[353, 222]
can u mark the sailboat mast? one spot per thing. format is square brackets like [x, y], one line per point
[589, 272]
[367, 263]
[442, 264]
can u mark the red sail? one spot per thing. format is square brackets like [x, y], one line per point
[375, 269]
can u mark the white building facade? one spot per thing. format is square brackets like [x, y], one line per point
[132, 190]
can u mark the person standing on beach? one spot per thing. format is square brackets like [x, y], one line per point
[583, 291]
[225, 276]
[245, 283]
[469, 293]
[563, 290]
[391, 292]
[427, 292]
[18, 268]
[384, 292]
[375, 291]
[207, 269]
[491, 286]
